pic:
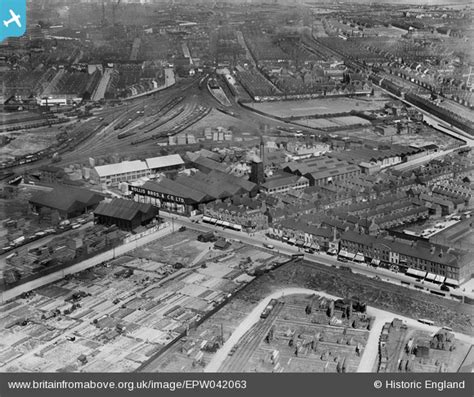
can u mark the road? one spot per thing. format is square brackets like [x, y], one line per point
[257, 240]
[370, 354]
[99, 92]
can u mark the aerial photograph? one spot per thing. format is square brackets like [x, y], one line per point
[237, 186]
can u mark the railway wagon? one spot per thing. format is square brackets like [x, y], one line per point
[268, 309]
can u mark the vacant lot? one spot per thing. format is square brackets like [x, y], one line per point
[179, 247]
[29, 142]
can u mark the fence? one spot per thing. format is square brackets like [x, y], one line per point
[147, 232]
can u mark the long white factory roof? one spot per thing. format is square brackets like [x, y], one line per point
[164, 161]
[121, 168]
[139, 165]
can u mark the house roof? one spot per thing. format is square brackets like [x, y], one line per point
[436, 200]
[432, 252]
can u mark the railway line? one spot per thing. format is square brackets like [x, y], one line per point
[249, 343]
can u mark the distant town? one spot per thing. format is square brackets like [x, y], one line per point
[217, 186]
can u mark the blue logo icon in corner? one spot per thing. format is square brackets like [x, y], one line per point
[12, 18]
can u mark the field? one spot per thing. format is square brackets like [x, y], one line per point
[318, 106]
[336, 122]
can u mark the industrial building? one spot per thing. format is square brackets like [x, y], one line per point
[112, 174]
[323, 170]
[68, 201]
[173, 162]
[128, 171]
[186, 194]
[125, 214]
[283, 183]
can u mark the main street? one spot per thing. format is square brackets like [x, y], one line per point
[259, 238]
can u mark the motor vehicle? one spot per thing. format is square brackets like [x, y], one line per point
[269, 246]
[425, 321]
[447, 328]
